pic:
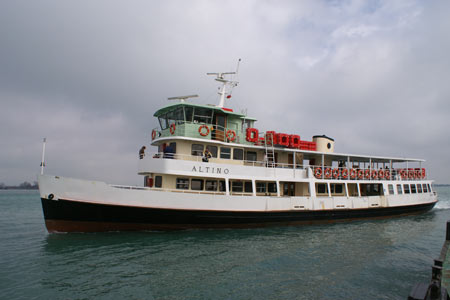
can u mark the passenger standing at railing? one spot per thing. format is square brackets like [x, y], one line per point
[206, 155]
[142, 152]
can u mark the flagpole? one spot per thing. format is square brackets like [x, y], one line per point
[43, 157]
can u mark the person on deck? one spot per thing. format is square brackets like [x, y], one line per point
[206, 155]
[142, 152]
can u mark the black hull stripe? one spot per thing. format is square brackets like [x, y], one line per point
[73, 216]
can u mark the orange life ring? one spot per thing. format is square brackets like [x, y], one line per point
[328, 173]
[336, 173]
[423, 173]
[172, 128]
[318, 172]
[381, 174]
[403, 174]
[153, 134]
[374, 174]
[353, 174]
[387, 174]
[200, 130]
[344, 173]
[367, 174]
[411, 174]
[231, 135]
[360, 174]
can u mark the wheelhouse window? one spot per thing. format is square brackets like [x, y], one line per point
[406, 188]
[158, 181]
[188, 112]
[399, 189]
[391, 189]
[238, 154]
[212, 150]
[250, 156]
[225, 152]
[197, 150]
[182, 183]
[197, 184]
[203, 115]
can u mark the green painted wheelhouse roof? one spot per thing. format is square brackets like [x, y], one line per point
[171, 107]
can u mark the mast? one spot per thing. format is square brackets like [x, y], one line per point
[227, 85]
[43, 156]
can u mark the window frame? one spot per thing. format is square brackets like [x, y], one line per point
[223, 155]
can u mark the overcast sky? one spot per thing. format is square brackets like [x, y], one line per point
[88, 75]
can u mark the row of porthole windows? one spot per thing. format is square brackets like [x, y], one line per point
[225, 152]
[410, 188]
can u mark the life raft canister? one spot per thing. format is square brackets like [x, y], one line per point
[231, 135]
[153, 134]
[252, 135]
[344, 173]
[201, 132]
[328, 173]
[336, 173]
[172, 128]
[294, 141]
[318, 172]
[403, 174]
[283, 139]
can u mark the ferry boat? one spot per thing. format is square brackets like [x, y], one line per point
[213, 168]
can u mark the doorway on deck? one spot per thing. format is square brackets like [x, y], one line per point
[220, 123]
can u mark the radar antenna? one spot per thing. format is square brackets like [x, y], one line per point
[182, 98]
[220, 77]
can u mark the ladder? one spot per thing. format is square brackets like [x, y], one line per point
[270, 150]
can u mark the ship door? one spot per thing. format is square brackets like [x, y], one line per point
[220, 123]
[289, 189]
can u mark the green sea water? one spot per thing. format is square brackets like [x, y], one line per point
[380, 259]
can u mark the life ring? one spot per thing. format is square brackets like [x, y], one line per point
[318, 172]
[381, 174]
[367, 174]
[172, 128]
[360, 174]
[353, 174]
[231, 135]
[336, 173]
[153, 134]
[411, 174]
[344, 173]
[403, 174]
[202, 133]
[387, 174]
[328, 173]
[374, 174]
[423, 173]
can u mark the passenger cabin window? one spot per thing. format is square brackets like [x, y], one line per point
[272, 187]
[237, 186]
[197, 184]
[399, 189]
[336, 188]
[248, 187]
[225, 153]
[222, 187]
[238, 154]
[322, 188]
[212, 150]
[182, 184]
[158, 181]
[250, 156]
[406, 188]
[429, 188]
[419, 188]
[413, 188]
[260, 187]
[391, 189]
[197, 150]
[425, 188]
[211, 185]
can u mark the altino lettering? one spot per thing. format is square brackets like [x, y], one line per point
[210, 170]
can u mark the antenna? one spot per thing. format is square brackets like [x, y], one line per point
[182, 98]
[220, 78]
[43, 156]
